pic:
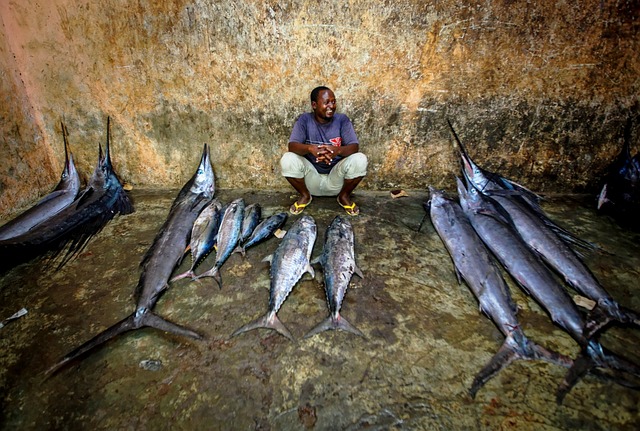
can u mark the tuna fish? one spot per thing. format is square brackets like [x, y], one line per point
[159, 262]
[264, 230]
[289, 263]
[75, 225]
[474, 264]
[203, 236]
[60, 198]
[252, 217]
[228, 238]
[338, 266]
[538, 281]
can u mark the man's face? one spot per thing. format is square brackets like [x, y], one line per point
[325, 106]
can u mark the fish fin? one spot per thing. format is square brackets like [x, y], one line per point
[358, 272]
[185, 274]
[153, 320]
[127, 324]
[241, 250]
[268, 321]
[595, 356]
[334, 323]
[268, 258]
[86, 194]
[515, 347]
[310, 270]
[316, 260]
[213, 272]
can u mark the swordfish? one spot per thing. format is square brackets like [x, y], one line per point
[73, 227]
[473, 263]
[60, 198]
[160, 261]
[538, 281]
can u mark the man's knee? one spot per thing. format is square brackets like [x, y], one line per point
[357, 166]
[291, 165]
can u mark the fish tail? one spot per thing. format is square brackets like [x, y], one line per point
[129, 323]
[268, 321]
[185, 274]
[240, 249]
[515, 347]
[594, 356]
[155, 321]
[334, 323]
[606, 312]
[213, 272]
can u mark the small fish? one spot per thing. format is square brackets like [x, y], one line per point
[289, 263]
[338, 265]
[252, 216]
[203, 236]
[159, 262]
[60, 198]
[264, 230]
[228, 238]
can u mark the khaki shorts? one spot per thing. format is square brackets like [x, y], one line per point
[295, 166]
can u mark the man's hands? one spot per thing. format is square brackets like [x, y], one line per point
[323, 153]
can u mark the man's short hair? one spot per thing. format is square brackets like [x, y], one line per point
[316, 91]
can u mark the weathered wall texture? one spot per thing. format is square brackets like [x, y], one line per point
[539, 90]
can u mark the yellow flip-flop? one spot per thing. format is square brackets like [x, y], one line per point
[297, 208]
[351, 210]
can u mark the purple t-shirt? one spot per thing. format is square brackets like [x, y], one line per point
[339, 131]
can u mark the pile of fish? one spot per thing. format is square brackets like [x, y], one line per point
[62, 223]
[620, 193]
[498, 219]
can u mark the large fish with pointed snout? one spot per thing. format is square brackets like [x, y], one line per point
[61, 197]
[289, 263]
[159, 262]
[338, 262]
[536, 280]
[228, 238]
[487, 182]
[66, 234]
[203, 236]
[473, 263]
[264, 230]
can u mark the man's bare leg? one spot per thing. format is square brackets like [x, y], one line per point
[299, 185]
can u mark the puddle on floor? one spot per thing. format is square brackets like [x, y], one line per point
[425, 342]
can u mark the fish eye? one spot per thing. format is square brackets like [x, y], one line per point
[200, 172]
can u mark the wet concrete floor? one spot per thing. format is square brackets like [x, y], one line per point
[425, 338]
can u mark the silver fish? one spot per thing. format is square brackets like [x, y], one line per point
[75, 225]
[252, 216]
[159, 262]
[538, 281]
[228, 238]
[60, 198]
[203, 236]
[474, 264]
[264, 230]
[338, 266]
[289, 263]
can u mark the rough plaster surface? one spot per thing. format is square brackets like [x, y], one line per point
[538, 90]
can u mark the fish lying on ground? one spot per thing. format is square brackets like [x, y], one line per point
[159, 262]
[60, 198]
[203, 236]
[228, 237]
[537, 280]
[252, 216]
[289, 263]
[487, 182]
[620, 193]
[73, 227]
[338, 265]
[474, 264]
[264, 230]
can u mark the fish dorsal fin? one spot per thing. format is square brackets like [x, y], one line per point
[357, 271]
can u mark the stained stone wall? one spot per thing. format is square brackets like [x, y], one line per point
[539, 90]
